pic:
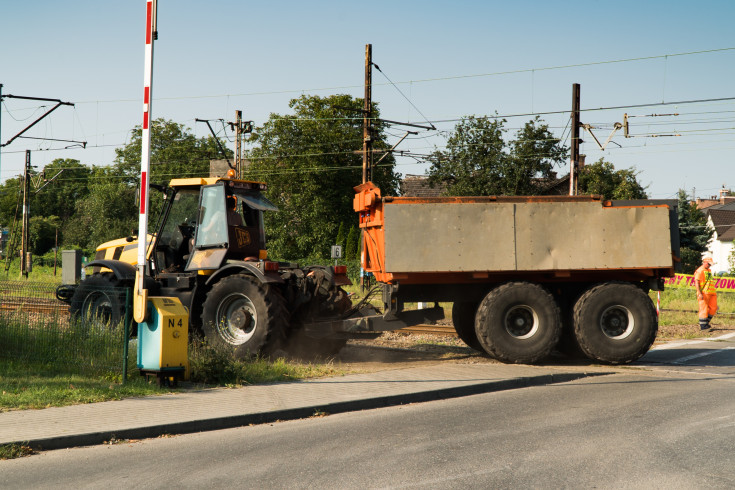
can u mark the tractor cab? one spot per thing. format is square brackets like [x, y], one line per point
[210, 221]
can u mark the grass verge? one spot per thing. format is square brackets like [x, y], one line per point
[28, 385]
[215, 366]
[12, 451]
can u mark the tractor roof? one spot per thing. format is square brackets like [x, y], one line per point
[200, 181]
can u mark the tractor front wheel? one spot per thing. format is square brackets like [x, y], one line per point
[99, 302]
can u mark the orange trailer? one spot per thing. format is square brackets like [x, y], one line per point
[524, 272]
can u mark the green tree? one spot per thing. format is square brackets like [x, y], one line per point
[534, 153]
[351, 247]
[694, 234]
[175, 153]
[309, 162]
[602, 178]
[42, 233]
[66, 182]
[52, 198]
[478, 161]
[340, 240]
[11, 199]
[109, 211]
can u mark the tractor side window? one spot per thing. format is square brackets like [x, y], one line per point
[252, 206]
[212, 217]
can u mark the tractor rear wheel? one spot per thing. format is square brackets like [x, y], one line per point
[244, 316]
[518, 322]
[336, 304]
[99, 302]
[615, 323]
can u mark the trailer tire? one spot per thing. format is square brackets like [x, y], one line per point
[242, 315]
[518, 322]
[615, 323]
[463, 318]
[99, 302]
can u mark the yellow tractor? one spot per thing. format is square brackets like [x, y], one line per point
[209, 250]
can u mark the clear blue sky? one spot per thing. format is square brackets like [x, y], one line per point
[450, 59]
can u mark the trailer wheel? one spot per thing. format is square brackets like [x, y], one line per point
[518, 322]
[99, 302]
[244, 316]
[615, 323]
[463, 318]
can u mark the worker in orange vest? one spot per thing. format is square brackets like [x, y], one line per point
[706, 293]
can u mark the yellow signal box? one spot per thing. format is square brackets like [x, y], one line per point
[163, 340]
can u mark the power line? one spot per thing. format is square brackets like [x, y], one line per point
[428, 80]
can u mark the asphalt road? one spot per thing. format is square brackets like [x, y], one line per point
[666, 422]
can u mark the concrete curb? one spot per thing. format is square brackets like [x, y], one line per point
[228, 422]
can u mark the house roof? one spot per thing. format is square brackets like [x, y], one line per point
[703, 204]
[724, 223]
[418, 186]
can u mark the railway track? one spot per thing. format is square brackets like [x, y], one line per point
[57, 308]
[430, 329]
[33, 305]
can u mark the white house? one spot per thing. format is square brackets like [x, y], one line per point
[722, 220]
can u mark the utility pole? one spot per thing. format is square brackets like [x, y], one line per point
[26, 212]
[367, 143]
[241, 128]
[574, 157]
[238, 144]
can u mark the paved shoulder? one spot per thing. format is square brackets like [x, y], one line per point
[220, 408]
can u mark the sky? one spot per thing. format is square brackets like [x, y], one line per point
[440, 61]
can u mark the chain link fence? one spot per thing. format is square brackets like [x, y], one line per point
[87, 336]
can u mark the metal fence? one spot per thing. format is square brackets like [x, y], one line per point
[90, 336]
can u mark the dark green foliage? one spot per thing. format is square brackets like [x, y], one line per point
[66, 183]
[42, 233]
[341, 236]
[602, 178]
[308, 160]
[175, 153]
[694, 234]
[351, 247]
[478, 161]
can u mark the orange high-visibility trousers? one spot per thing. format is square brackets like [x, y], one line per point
[707, 306]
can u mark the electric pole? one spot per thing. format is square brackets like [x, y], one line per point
[238, 144]
[367, 143]
[574, 157]
[26, 212]
[241, 128]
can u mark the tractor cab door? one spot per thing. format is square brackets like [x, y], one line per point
[211, 237]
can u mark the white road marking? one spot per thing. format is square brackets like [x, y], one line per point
[708, 352]
[674, 345]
